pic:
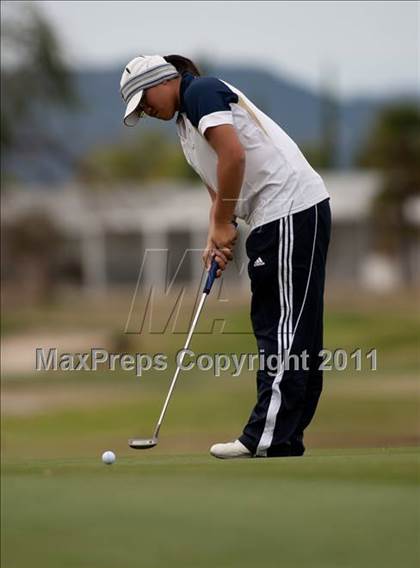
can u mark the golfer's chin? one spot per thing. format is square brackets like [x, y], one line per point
[165, 116]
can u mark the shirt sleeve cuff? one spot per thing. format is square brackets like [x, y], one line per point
[215, 119]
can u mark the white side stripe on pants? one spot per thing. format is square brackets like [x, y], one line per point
[285, 340]
[287, 278]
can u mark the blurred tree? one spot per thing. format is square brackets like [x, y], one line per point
[32, 243]
[151, 157]
[33, 74]
[394, 148]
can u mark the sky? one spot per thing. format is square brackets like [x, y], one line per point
[369, 47]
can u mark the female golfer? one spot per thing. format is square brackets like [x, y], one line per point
[255, 172]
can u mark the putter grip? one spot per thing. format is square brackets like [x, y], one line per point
[211, 277]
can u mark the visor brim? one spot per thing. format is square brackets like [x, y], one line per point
[132, 114]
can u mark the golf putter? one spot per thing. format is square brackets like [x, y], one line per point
[146, 443]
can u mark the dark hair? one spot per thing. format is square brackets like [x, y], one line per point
[182, 64]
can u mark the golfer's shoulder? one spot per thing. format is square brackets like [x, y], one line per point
[207, 88]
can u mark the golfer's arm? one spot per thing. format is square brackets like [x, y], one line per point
[230, 170]
[212, 194]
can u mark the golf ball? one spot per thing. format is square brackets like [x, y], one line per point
[108, 457]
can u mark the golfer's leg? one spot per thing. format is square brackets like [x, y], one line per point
[290, 397]
[263, 252]
[312, 393]
[279, 288]
[285, 314]
[300, 290]
[315, 379]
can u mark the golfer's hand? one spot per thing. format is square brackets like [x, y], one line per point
[216, 250]
[222, 257]
[223, 235]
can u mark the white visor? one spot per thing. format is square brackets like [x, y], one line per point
[132, 115]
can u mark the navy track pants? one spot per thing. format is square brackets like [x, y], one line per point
[287, 262]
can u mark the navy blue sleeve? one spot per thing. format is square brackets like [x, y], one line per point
[206, 95]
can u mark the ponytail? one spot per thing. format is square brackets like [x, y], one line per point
[182, 64]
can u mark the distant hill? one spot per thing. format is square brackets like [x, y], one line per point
[99, 120]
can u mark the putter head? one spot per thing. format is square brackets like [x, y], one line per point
[142, 443]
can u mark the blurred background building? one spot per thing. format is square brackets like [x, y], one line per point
[97, 240]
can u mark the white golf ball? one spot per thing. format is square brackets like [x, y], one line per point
[108, 457]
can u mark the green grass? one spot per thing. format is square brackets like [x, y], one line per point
[332, 508]
[328, 509]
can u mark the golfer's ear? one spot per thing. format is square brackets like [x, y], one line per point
[224, 141]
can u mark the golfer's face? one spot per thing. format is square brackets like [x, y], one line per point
[158, 102]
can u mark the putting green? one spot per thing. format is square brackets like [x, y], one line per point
[329, 509]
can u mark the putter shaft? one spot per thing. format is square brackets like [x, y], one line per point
[141, 443]
[187, 344]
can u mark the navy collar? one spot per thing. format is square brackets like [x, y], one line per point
[186, 79]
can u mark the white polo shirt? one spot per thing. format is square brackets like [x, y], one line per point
[278, 180]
